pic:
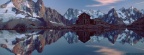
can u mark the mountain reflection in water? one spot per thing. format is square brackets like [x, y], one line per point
[24, 43]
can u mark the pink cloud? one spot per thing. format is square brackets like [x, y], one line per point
[103, 2]
[106, 50]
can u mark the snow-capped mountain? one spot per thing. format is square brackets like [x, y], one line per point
[113, 17]
[132, 14]
[121, 16]
[53, 17]
[34, 9]
[126, 16]
[6, 12]
[20, 12]
[72, 14]
[16, 12]
[142, 11]
[22, 8]
[29, 9]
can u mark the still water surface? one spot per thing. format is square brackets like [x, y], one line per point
[68, 42]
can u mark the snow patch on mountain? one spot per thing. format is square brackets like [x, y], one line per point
[6, 13]
[142, 11]
[9, 11]
[20, 16]
[121, 15]
[8, 8]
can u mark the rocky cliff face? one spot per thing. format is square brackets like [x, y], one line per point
[123, 16]
[28, 9]
[113, 17]
[54, 18]
[34, 9]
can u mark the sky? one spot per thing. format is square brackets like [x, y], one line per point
[103, 5]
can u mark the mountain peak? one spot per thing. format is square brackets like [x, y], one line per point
[131, 7]
[142, 11]
[40, 2]
[112, 10]
[122, 9]
[71, 9]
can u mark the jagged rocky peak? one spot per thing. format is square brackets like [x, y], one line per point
[112, 12]
[142, 11]
[113, 9]
[30, 9]
[53, 17]
[122, 9]
[74, 13]
[71, 14]
[40, 1]
[127, 15]
[42, 8]
[25, 7]
[21, 10]
[133, 8]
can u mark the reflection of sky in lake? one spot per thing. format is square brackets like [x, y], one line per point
[95, 46]
[61, 47]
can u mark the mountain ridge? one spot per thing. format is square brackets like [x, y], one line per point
[29, 9]
[121, 16]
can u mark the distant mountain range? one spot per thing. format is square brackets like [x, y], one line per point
[72, 14]
[121, 16]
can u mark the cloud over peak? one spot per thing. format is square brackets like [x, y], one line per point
[103, 3]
